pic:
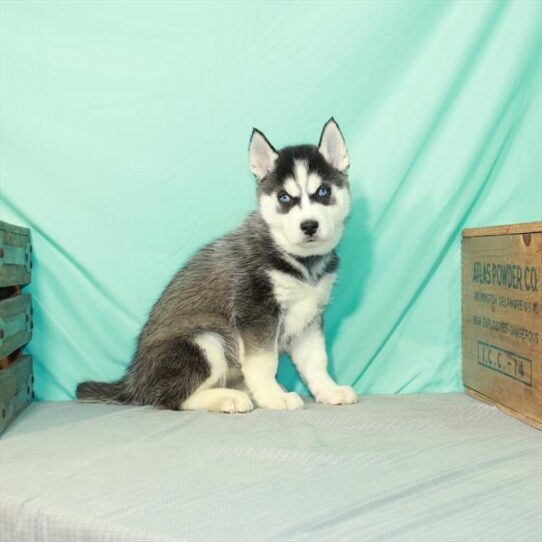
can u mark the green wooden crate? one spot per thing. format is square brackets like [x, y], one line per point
[16, 389]
[15, 255]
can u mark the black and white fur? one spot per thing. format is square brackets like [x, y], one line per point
[213, 338]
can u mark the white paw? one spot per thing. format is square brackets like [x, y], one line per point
[339, 395]
[236, 402]
[283, 401]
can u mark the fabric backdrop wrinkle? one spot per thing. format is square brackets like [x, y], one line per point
[124, 132]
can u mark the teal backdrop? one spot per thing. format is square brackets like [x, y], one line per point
[124, 133]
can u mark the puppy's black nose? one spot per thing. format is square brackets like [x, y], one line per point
[309, 227]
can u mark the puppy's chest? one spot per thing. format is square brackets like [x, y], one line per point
[300, 301]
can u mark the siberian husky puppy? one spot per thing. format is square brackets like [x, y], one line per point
[213, 338]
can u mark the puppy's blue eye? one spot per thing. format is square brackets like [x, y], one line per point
[323, 192]
[284, 198]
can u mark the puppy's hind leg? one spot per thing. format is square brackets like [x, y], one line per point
[209, 397]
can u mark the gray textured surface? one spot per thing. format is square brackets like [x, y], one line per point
[413, 468]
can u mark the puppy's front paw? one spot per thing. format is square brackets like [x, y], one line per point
[293, 401]
[338, 395]
[237, 401]
[283, 401]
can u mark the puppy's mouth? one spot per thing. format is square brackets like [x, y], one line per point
[312, 240]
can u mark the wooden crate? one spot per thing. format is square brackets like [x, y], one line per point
[16, 379]
[502, 317]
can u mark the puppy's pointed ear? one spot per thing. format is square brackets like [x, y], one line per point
[262, 155]
[332, 146]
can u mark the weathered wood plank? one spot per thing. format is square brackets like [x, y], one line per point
[509, 229]
[15, 323]
[15, 255]
[16, 390]
[12, 228]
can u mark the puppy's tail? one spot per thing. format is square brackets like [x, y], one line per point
[102, 392]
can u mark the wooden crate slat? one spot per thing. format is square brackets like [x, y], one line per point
[12, 228]
[15, 323]
[15, 255]
[509, 229]
[16, 389]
